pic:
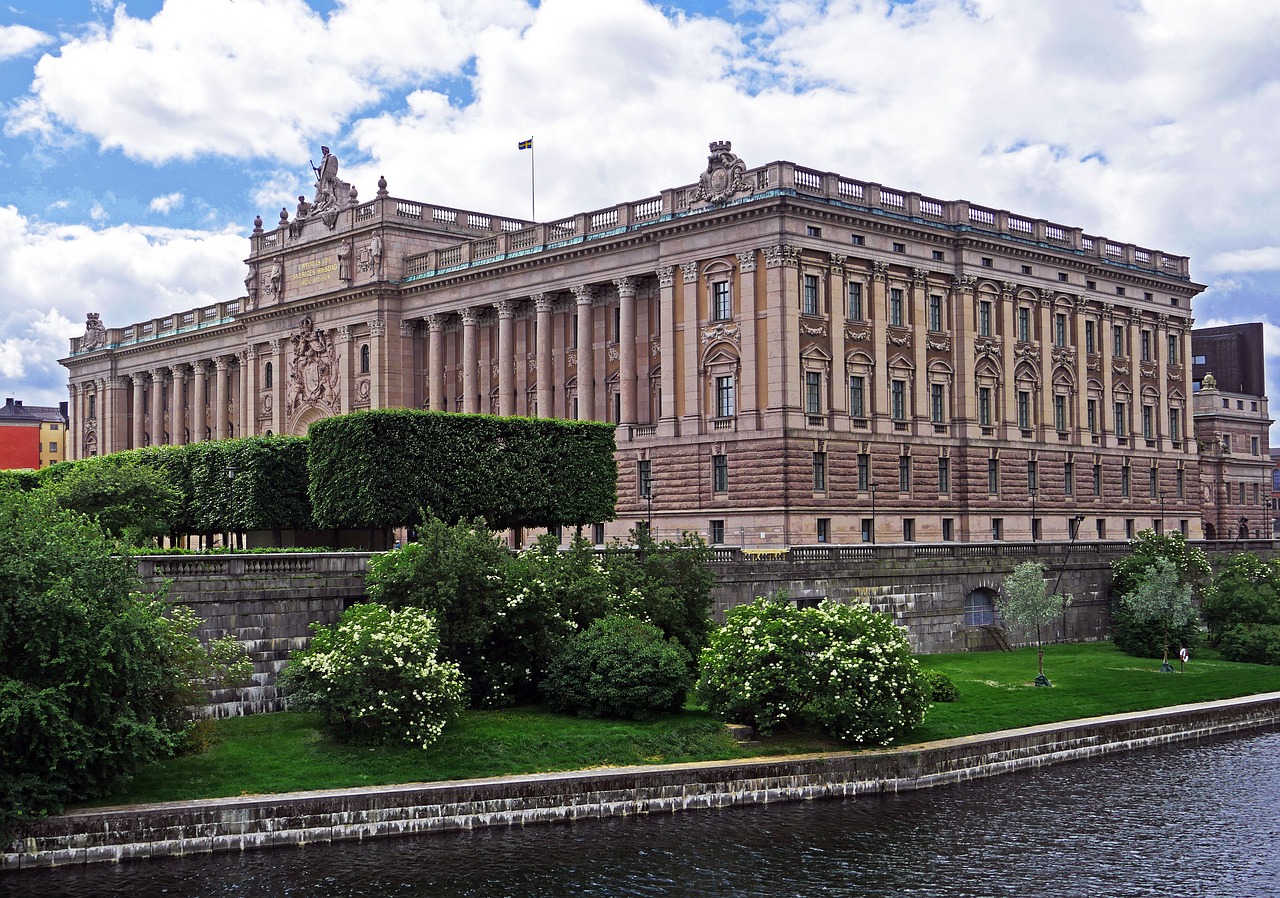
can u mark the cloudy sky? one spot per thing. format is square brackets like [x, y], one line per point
[138, 141]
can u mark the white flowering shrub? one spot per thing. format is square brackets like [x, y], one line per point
[844, 667]
[375, 677]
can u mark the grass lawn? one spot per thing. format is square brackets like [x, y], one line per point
[286, 752]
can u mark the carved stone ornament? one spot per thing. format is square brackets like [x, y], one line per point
[730, 332]
[747, 261]
[1027, 351]
[655, 349]
[267, 403]
[1064, 355]
[313, 370]
[1147, 369]
[783, 255]
[963, 282]
[942, 344]
[899, 337]
[95, 335]
[724, 178]
[571, 359]
[1094, 363]
[1209, 382]
[880, 270]
[362, 390]
[862, 335]
[1120, 366]
[814, 330]
[986, 346]
[1174, 372]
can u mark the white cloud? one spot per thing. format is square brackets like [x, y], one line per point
[98, 212]
[54, 274]
[15, 40]
[167, 203]
[235, 77]
[1263, 258]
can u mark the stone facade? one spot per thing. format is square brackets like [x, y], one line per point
[791, 356]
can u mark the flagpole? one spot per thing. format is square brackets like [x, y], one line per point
[533, 195]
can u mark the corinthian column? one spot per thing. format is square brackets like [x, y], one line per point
[506, 358]
[435, 361]
[546, 402]
[138, 413]
[586, 355]
[178, 374]
[199, 401]
[627, 346]
[157, 406]
[469, 356]
[220, 396]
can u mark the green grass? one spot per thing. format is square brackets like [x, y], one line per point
[287, 752]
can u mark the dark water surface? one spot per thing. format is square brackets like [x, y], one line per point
[1195, 821]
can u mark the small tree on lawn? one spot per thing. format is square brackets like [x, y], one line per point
[1026, 602]
[1159, 595]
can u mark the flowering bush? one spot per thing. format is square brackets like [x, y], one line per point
[374, 676]
[618, 667]
[845, 667]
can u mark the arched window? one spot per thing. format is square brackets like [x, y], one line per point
[364, 358]
[980, 608]
[267, 375]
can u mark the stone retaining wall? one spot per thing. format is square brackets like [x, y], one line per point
[272, 821]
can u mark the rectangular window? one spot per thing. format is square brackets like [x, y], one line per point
[1148, 422]
[899, 400]
[948, 529]
[719, 473]
[1060, 414]
[1173, 350]
[1253, 446]
[813, 392]
[1153, 482]
[716, 532]
[1026, 269]
[988, 262]
[1144, 341]
[1059, 329]
[984, 406]
[944, 475]
[864, 472]
[1100, 527]
[1035, 528]
[1117, 340]
[644, 478]
[597, 534]
[1175, 429]
[908, 529]
[1120, 419]
[811, 294]
[857, 240]
[811, 231]
[1226, 442]
[1092, 408]
[1069, 479]
[936, 402]
[899, 247]
[721, 306]
[895, 306]
[1090, 285]
[855, 302]
[904, 473]
[1124, 481]
[1097, 480]
[824, 530]
[1062, 276]
[868, 530]
[935, 313]
[1033, 477]
[993, 476]
[1180, 484]
[724, 396]
[997, 528]
[984, 318]
[1128, 528]
[1090, 341]
[819, 472]
[939, 256]
[857, 396]
[93, 405]
[1024, 324]
[1024, 409]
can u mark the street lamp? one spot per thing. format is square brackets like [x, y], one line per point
[873, 513]
[231, 514]
[1162, 512]
[648, 527]
[1034, 491]
[1075, 532]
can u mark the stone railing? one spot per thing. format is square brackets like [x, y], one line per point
[868, 552]
[167, 325]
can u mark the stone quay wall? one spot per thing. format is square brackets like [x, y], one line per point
[275, 821]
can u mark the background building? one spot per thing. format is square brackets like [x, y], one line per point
[791, 356]
[32, 436]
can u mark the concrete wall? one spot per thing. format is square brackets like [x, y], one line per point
[241, 824]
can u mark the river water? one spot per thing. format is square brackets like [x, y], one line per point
[1199, 820]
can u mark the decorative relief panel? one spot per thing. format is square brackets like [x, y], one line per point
[1120, 366]
[987, 346]
[899, 336]
[731, 332]
[1064, 355]
[857, 335]
[942, 344]
[724, 178]
[1027, 351]
[313, 370]
[814, 330]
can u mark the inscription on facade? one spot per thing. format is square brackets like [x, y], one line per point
[317, 271]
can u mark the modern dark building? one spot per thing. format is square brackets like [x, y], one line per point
[1233, 355]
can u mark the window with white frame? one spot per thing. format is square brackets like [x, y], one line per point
[857, 396]
[984, 406]
[896, 316]
[984, 318]
[1024, 324]
[813, 392]
[935, 313]
[855, 301]
[724, 396]
[721, 302]
[811, 303]
[898, 399]
[937, 402]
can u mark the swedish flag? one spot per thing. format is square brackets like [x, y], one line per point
[525, 144]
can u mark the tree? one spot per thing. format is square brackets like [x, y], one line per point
[667, 584]
[131, 501]
[1245, 591]
[1148, 637]
[1025, 601]
[1159, 595]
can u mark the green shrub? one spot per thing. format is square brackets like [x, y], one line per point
[375, 677]
[845, 667]
[667, 584]
[1254, 643]
[618, 667]
[939, 687]
[1246, 590]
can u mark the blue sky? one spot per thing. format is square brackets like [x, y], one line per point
[138, 141]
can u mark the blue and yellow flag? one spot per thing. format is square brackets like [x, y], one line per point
[525, 144]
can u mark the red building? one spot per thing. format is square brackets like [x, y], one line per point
[31, 436]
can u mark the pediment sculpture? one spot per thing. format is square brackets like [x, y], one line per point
[724, 178]
[313, 371]
[95, 335]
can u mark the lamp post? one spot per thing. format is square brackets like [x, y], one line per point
[1034, 491]
[1162, 512]
[1075, 532]
[648, 527]
[873, 513]
[231, 514]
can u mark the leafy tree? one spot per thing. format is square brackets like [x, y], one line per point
[1147, 637]
[1159, 595]
[375, 677]
[844, 667]
[1025, 601]
[667, 584]
[618, 667]
[131, 501]
[1246, 590]
[94, 679]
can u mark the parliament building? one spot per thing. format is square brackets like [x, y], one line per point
[790, 356]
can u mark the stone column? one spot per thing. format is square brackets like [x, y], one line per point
[176, 422]
[878, 390]
[627, 347]
[435, 362]
[964, 396]
[377, 363]
[667, 343]
[221, 396]
[1046, 342]
[685, 365]
[346, 368]
[76, 423]
[1009, 361]
[138, 414]
[919, 347]
[584, 295]
[157, 406]
[1106, 350]
[199, 401]
[279, 375]
[546, 396]
[1161, 351]
[506, 357]
[250, 390]
[470, 355]
[112, 413]
[754, 368]
[1082, 370]
[838, 299]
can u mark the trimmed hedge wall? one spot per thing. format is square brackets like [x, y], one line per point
[385, 468]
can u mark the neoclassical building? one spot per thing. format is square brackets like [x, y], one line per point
[791, 356]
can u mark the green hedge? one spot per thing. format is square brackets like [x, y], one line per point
[385, 468]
